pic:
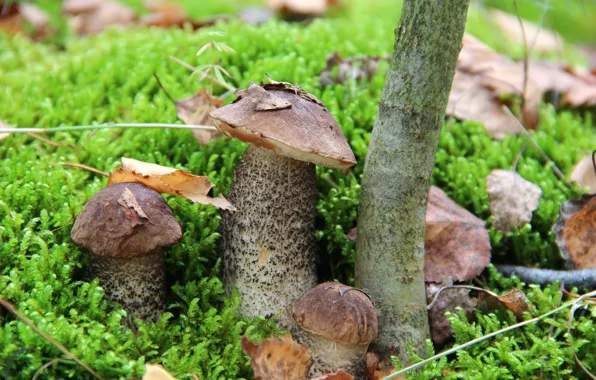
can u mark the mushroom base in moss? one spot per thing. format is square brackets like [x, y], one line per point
[136, 283]
[330, 356]
[268, 244]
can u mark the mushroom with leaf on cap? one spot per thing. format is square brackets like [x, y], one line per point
[125, 225]
[337, 323]
[268, 243]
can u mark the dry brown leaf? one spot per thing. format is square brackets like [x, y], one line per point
[168, 180]
[584, 173]
[580, 95]
[512, 199]
[575, 231]
[278, 358]
[299, 8]
[377, 370]
[470, 99]
[2, 126]
[440, 327]
[97, 17]
[195, 110]
[456, 244]
[156, 372]
[77, 7]
[516, 301]
[537, 38]
[339, 375]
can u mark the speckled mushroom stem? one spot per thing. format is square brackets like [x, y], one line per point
[329, 356]
[268, 244]
[137, 283]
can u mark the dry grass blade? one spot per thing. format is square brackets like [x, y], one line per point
[47, 365]
[10, 307]
[85, 167]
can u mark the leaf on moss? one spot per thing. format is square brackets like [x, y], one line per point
[584, 173]
[580, 95]
[2, 126]
[377, 369]
[94, 16]
[195, 110]
[575, 232]
[338, 375]
[344, 70]
[278, 358]
[156, 372]
[169, 181]
[512, 199]
[299, 8]
[536, 37]
[515, 301]
[456, 244]
[448, 301]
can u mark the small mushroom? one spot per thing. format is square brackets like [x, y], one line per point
[125, 226]
[268, 244]
[337, 323]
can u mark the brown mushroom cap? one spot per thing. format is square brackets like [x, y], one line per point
[288, 121]
[338, 312]
[126, 220]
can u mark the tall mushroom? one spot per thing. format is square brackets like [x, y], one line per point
[268, 244]
[125, 226]
[337, 323]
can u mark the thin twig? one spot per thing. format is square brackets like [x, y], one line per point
[49, 142]
[436, 297]
[47, 365]
[555, 169]
[518, 157]
[84, 167]
[163, 88]
[10, 307]
[526, 63]
[579, 362]
[488, 336]
[105, 126]
[569, 294]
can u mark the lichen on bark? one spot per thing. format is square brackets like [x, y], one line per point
[390, 243]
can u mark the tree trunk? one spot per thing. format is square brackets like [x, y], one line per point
[390, 243]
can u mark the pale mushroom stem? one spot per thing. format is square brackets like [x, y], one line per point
[268, 243]
[137, 283]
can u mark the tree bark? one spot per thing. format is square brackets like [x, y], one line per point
[390, 243]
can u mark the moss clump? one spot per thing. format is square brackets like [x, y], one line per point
[109, 78]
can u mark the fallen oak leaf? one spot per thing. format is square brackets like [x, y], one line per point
[168, 180]
[339, 375]
[575, 232]
[584, 172]
[512, 199]
[156, 372]
[278, 358]
[456, 243]
[515, 301]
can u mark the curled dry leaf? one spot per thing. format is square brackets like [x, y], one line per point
[278, 358]
[456, 244]
[575, 232]
[537, 38]
[156, 372]
[339, 375]
[168, 180]
[440, 327]
[512, 199]
[584, 173]
[515, 301]
[195, 110]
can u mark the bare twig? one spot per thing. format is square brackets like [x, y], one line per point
[518, 157]
[84, 167]
[582, 278]
[491, 335]
[49, 142]
[10, 307]
[163, 88]
[106, 126]
[436, 297]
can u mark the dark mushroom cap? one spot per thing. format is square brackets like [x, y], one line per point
[288, 121]
[338, 312]
[126, 220]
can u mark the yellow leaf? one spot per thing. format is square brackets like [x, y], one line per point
[169, 181]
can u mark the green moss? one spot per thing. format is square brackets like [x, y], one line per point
[108, 78]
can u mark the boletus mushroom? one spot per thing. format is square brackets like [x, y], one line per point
[268, 243]
[337, 323]
[125, 226]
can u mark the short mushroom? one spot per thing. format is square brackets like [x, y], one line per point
[268, 244]
[337, 323]
[125, 226]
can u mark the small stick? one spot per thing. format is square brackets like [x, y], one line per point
[84, 167]
[105, 126]
[49, 142]
[10, 307]
[581, 278]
